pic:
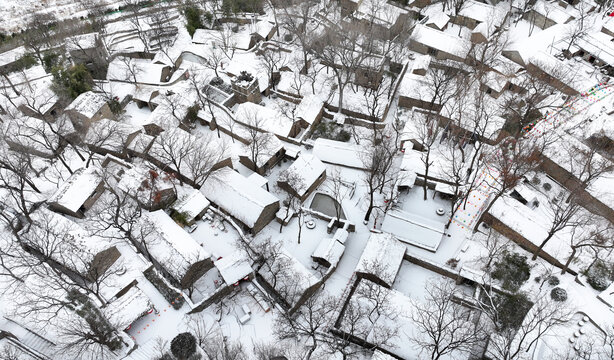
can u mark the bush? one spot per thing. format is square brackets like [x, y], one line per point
[512, 309]
[192, 16]
[24, 62]
[115, 106]
[553, 281]
[343, 135]
[73, 81]
[183, 345]
[599, 275]
[513, 270]
[558, 294]
[245, 76]
[172, 296]
[50, 59]
[192, 114]
[288, 37]
[180, 217]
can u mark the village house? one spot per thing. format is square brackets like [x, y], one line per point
[138, 70]
[267, 119]
[305, 174]
[192, 206]
[474, 13]
[151, 188]
[175, 253]
[268, 150]
[89, 50]
[242, 199]
[545, 14]
[440, 45]
[111, 137]
[381, 259]
[78, 193]
[86, 109]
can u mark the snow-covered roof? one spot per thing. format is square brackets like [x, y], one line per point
[174, 248]
[263, 118]
[128, 308]
[82, 42]
[12, 55]
[87, 104]
[199, 152]
[110, 134]
[551, 11]
[439, 19]
[440, 40]
[380, 12]
[262, 28]
[31, 133]
[234, 267]
[307, 168]
[267, 148]
[258, 179]
[560, 70]
[191, 204]
[330, 250]
[140, 143]
[67, 242]
[482, 12]
[382, 257]
[238, 196]
[339, 153]
[598, 45]
[378, 355]
[77, 189]
[128, 69]
[309, 108]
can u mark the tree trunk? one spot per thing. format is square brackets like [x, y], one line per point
[370, 209]
[571, 256]
[541, 246]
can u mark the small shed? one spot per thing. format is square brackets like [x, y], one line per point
[77, 194]
[303, 176]
[328, 253]
[381, 259]
[234, 267]
[87, 108]
[193, 205]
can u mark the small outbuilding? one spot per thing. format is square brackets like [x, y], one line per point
[77, 194]
[381, 259]
[303, 176]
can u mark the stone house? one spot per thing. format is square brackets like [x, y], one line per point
[252, 206]
[77, 194]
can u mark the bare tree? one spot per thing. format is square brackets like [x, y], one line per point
[377, 161]
[310, 321]
[335, 186]
[292, 201]
[445, 327]
[164, 33]
[516, 323]
[508, 163]
[272, 60]
[134, 11]
[368, 319]
[39, 35]
[562, 215]
[297, 18]
[598, 237]
[340, 52]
